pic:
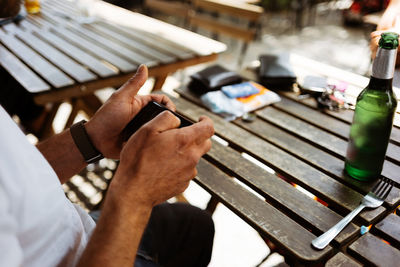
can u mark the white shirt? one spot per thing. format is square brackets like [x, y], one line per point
[39, 226]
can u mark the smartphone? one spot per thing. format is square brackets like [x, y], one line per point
[149, 112]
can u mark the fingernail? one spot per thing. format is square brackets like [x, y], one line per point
[140, 69]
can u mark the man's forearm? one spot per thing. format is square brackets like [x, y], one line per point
[116, 239]
[63, 155]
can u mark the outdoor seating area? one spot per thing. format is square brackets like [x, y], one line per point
[274, 179]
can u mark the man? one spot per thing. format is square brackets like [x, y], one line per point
[40, 227]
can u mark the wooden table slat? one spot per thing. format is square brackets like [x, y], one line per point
[305, 210]
[309, 153]
[23, 74]
[151, 40]
[67, 65]
[389, 228]
[142, 49]
[323, 139]
[301, 173]
[328, 123]
[77, 54]
[104, 42]
[374, 251]
[96, 50]
[52, 75]
[342, 260]
[260, 214]
[333, 72]
[89, 47]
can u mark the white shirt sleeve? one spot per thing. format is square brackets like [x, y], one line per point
[11, 251]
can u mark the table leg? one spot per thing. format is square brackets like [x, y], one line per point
[90, 104]
[47, 128]
[159, 82]
[75, 109]
[212, 204]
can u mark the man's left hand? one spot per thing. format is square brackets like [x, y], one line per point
[106, 126]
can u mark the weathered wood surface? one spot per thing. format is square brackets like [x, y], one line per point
[374, 252]
[342, 260]
[307, 147]
[389, 229]
[285, 162]
[55, 50]
[290, 235]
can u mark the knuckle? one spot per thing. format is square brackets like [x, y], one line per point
[195, 172]
[208, 145]
[182, 138]
[193, 159]
[146, 129]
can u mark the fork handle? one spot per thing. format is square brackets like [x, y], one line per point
[323, 240]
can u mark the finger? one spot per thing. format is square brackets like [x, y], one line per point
[199, 131]
[162, 99]
[165, 100]
[164, 121]
[203, 148]
[133, 85]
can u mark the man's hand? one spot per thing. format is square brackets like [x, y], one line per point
[389, 22]
[106, 126]
[159, 160]
[157, 163]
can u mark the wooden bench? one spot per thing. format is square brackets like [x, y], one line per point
[207, 13]
[173, 8]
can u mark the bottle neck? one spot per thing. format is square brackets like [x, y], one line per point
[384, 63]
[380, 84]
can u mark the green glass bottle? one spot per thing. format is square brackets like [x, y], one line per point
[373, 115]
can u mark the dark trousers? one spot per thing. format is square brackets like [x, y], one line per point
[176, 235]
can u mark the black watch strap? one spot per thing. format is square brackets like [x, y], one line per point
[83, 142]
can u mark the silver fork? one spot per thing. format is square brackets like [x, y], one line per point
[373, 199]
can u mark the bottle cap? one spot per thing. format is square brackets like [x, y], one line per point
[389, 40]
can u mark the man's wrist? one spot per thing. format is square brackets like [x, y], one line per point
[84, 143]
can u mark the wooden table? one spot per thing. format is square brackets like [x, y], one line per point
[259, 167]
[59, 55]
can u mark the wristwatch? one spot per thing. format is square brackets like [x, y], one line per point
[83, 142]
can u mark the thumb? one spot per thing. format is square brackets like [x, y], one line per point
[164, 121]
[133, 85]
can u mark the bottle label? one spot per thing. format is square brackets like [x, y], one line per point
[383, 66]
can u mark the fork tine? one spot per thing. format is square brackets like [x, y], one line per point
[383, 189]
[374, 189]
[378, 186]
[391, 183]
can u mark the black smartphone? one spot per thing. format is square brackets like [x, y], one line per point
[149, 112]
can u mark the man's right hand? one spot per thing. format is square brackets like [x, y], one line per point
[159, 160]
